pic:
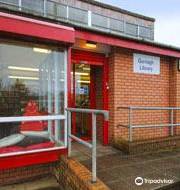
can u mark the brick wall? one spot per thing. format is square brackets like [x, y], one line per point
[99, 101]
[175, 93]
[132, 89]
[17, 175]
[112, 107]
[72, 175]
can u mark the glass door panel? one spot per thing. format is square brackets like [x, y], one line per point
[81, 75]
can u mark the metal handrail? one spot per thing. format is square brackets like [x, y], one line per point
[44, 13]
[92, 145]
[130, 125]
[148, 108]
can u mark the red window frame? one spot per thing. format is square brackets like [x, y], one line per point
[22, 27]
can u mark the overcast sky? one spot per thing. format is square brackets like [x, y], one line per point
[166, 13]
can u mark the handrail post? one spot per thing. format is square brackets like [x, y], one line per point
[130, 124]
[69, 133]
[172, 122]
[93, 147]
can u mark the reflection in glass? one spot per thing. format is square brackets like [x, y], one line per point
[32, 83]
[81, 80]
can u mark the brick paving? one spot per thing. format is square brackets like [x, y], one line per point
[119, 171]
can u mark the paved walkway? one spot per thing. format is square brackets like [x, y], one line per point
[119, 171]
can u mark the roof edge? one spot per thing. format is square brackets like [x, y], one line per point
[114, 8]
[171, 51]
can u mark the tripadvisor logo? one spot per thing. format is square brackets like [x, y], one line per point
[140, 181]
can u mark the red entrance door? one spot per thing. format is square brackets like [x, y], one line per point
[84, 76]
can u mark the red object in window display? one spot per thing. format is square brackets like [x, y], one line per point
[32, 110]
[41, 146]
[12, 149]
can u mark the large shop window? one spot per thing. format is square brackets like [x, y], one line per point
[32, 83]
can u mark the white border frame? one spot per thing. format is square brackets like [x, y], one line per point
[65, 95]
[31, 151]
[31, 118]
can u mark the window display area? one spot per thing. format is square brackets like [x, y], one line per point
[32, 83]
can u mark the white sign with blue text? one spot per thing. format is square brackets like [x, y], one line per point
[146, 64]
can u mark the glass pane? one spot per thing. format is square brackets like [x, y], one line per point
[37, 6]
[132, 29]
[99, 21]
[13, 2]
[32, 83]
[81, 87]
[82, 84]
[10, 4]
[78, 15]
